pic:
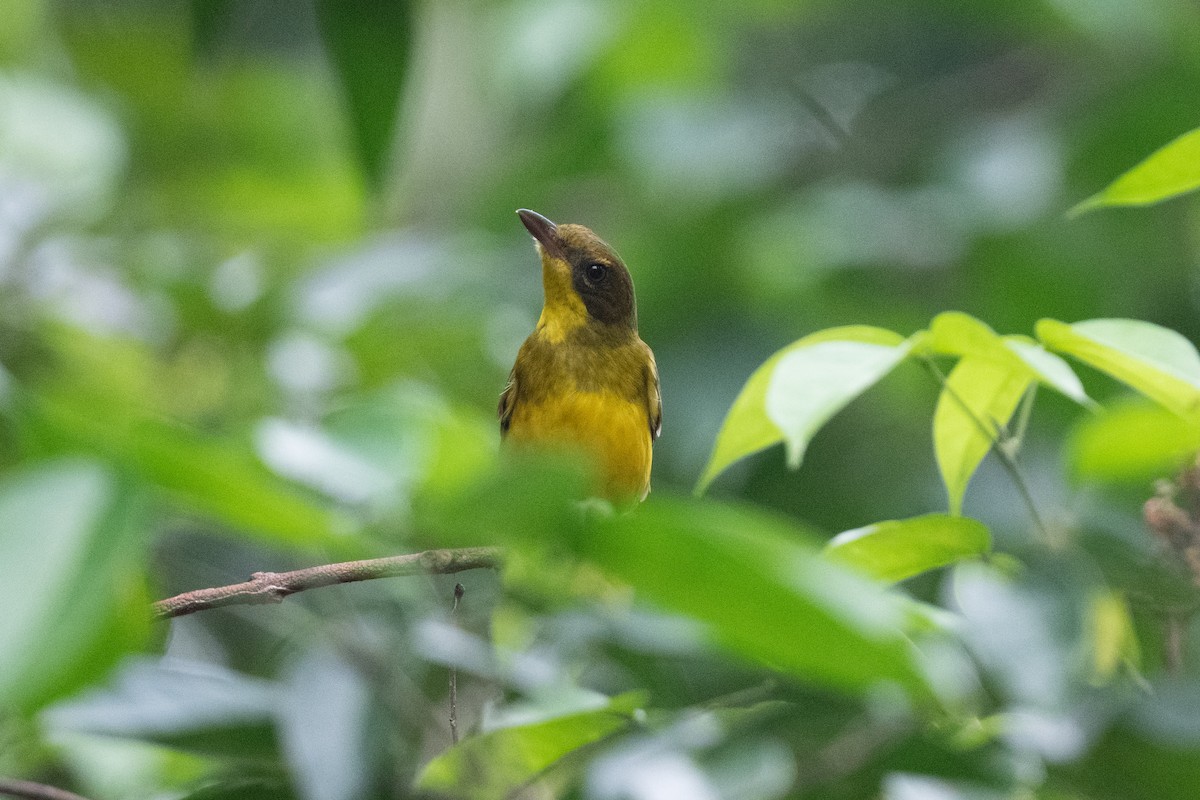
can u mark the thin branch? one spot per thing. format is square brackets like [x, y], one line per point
[28, 790]
[995, 434]
[459, 590]
[272, 587]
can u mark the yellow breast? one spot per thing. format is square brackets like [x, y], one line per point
[610, 428]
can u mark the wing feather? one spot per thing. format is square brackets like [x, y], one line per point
[508, 402]
[653, 394]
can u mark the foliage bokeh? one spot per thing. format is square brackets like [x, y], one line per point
[261, 282]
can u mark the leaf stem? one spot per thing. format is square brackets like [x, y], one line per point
[995, 433]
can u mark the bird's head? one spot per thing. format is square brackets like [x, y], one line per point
[585, 281]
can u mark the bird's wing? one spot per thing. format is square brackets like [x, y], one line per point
[508, 402]
[653, 395]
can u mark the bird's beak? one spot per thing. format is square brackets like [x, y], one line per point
[544, 232]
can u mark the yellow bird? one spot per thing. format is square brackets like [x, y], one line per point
[583, 377]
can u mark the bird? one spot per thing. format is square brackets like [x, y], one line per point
[584, 378]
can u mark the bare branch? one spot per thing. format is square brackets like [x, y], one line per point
[459, 589]
[28, 790]
[272, 587]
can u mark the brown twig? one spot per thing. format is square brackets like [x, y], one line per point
[272, 587]
[459, 590]
[28, 790]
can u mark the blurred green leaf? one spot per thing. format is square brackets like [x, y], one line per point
[198, 708]
[68, 565]
[496, 763]
[899, 549]
[209, 18]
[322, 721]
[1124, 763]
[102, 631]
[211, 476]
[1156, 361]
[1132, 442]
[959, 334]
[1172, 170]
[409, 432]
[528, 497]
[1113, 638]
[973, 410]
[245, 788]
[760, 584]
[749, 428]
[369, 42]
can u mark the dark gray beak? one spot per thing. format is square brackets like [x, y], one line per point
[543, 230]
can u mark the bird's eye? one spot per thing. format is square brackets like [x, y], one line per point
[595, 272]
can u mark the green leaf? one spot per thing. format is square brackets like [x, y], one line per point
[530, 496]
[1156, 361]
[760, 585]
[811, 384]
[68, 566]
[210, 18]
[215, 477]
[747, 427]
[1113, 637]
[1132, 442]
[1170, 171]
[899, 549]
[973, 409]
[958, 334]
[1051, 370]
[369, 42]
[496, 763]
[195, 707]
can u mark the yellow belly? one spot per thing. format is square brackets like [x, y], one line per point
[611, 429]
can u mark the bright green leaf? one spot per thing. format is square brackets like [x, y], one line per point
[975, 405]
[747, 427]
[1051, 370]
[1133, 442]
[899, 549]
[811, 384]
[760, 585]
[958, 334]
[1156, 361]
[496, 763]
[1172, 170]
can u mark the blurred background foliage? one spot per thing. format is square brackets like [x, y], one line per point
[261, 283]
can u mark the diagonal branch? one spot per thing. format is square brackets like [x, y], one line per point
[272, 587]
[28, 790]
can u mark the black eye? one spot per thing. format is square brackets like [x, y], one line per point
[595, 272]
